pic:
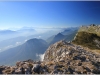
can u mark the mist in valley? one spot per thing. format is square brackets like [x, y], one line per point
[30, 43]
[11, 38]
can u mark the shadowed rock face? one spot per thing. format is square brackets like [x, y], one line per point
[60, 58]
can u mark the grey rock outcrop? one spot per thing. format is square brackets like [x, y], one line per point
[78, 60]
[60, 58]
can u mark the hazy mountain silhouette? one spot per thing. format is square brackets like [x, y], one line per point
[60, 36]
[3, 32]
[57, 37]
[25, 51]
[69, 30]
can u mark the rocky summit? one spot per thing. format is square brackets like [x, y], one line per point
[60, 58]
[88, 36]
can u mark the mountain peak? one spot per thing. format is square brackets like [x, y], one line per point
[31, 40]
[59, 35]
[27, 50]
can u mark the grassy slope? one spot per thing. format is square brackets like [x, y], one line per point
[86, 39]
[90, 29]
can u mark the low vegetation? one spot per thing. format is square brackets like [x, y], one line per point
[87, 40]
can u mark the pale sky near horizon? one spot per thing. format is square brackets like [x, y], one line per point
[16, 14]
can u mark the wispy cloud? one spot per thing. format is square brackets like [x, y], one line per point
[40, 56]
[18, 43]
[10, 46]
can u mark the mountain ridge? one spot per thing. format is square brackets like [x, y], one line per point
[88, 36]
[24, 51]
[60, 58]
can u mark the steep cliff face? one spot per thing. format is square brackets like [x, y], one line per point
[88, 36]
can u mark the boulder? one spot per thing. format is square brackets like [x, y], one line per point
[1, 69]
[36, 68]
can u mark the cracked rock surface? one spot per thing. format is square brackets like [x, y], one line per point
[60, 58]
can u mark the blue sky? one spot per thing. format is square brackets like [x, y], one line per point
[48, 13]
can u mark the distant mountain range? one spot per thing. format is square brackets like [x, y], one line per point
[69, 30]
[56, 38]
[7, 34]
[5, 44]
[28, 50]
[79, 56]
[10, 38]
[60, 58]
[4, 32]
[21, 49]
[67, 34]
